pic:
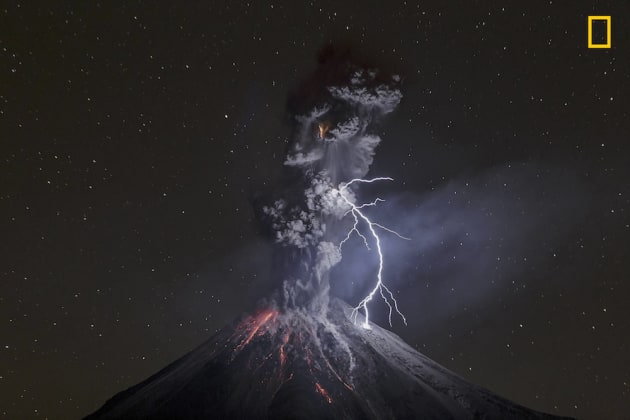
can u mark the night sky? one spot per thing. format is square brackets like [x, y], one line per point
[136, 136]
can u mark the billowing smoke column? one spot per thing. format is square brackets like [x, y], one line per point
[330, 154]
[301, 355]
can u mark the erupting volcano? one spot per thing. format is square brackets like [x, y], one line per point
[292, 365]
[305, 354]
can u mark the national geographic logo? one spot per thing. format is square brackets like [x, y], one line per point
[601, 33]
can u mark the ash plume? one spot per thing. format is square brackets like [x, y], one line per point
[334, 117]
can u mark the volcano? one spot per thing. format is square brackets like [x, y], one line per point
[296, 365]
[305, 354]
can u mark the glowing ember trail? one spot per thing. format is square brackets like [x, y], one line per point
[283, 355]
[322, 129]
[358, 217]
[320, 389]
[254, 325]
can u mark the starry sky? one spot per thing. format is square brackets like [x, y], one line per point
[135, 135]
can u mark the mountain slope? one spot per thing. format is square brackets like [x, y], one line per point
[294, 365]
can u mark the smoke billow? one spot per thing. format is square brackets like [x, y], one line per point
[473, 237]
[334, 116]
[334, 138]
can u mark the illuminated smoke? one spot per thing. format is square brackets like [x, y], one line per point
[332, 149]
[343, 149]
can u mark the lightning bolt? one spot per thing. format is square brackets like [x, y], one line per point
[359, 216]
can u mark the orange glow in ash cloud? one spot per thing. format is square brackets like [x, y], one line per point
[322, 129]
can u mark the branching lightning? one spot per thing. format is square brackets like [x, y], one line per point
[359, 216]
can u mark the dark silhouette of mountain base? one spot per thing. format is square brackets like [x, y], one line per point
[296, 365]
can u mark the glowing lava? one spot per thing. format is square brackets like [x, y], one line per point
[322, 129]
[283, 354]
[320, 389]
[358, 217]
[288, 345]
[254, 326]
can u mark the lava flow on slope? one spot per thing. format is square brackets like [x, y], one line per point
[291, 365]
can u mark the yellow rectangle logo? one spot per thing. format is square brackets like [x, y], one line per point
[590, 31]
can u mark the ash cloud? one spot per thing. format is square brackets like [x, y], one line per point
[472, 238]
[334, 115]
[346, 150]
